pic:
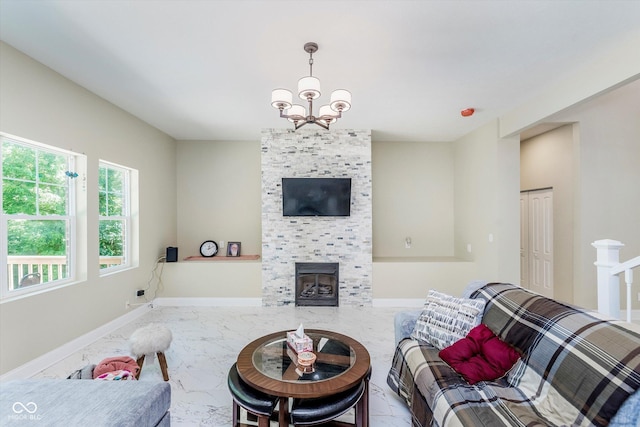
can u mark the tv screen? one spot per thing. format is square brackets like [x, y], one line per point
[316, 196]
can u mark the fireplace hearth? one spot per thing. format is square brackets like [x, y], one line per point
[317, 284]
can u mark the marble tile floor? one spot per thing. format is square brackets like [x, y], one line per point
[207, 340]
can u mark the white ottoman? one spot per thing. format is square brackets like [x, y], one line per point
[150, 339]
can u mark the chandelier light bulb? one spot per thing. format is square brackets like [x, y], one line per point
[309, 90]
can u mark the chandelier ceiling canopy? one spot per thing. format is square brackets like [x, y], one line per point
[309, 90]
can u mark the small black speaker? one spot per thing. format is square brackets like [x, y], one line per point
[172, 254]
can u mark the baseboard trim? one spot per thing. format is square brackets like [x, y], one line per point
[208, 302]
[398, 302]
[257, 302]
[52, 357]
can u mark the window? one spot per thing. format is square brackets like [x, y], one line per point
[38, 222]
[114, 190]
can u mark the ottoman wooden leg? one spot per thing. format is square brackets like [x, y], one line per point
[236, 414]
[140, 361]
[362, 407]
[163, 366]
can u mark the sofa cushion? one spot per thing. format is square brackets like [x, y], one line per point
[480, 356]
[446, 319]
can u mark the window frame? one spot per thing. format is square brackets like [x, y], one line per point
[71, 218]
[127, 217]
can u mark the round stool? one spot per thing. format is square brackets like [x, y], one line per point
[309, 412]
[150, 339]
[253, 401]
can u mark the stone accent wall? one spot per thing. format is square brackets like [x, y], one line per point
[308, 153]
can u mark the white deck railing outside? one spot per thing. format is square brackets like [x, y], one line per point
[609, 270]
[50, 268]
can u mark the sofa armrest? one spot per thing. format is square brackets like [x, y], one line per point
[404, 322]
[86, 403]
[627, 415]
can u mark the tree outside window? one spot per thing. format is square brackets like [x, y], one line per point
[37, 214]
[113, 191]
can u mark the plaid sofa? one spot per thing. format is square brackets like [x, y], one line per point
[576, 369]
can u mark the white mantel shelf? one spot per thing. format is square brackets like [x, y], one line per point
[223, 258]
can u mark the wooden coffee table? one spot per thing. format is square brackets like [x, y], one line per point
[267, 364]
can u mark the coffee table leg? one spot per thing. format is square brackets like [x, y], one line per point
[283, 412]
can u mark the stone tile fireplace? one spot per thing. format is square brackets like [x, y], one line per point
[346, 241]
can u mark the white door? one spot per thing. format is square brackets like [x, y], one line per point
[537, 247]
[524, 240]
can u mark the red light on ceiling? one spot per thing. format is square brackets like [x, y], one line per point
[467, 112]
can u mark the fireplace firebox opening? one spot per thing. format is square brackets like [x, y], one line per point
[317, 284]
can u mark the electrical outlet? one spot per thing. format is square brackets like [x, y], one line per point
[407, 243]
[127, 305]
[140, 293]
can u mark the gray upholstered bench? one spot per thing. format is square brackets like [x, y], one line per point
[56, 402]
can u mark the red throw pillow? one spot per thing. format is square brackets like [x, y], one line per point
[480, 356]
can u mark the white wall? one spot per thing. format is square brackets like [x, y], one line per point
[421, 190]
[218, 198]
[412, 197]
[397, 278]
[414, 179]
[483, 186]
[607, 197]
[212, 279]
[218, 187]
[593, 165]
[39, 104]
[613, 65]
[547, 160]
[487, 203]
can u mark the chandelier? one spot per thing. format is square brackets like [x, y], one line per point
[308, 90]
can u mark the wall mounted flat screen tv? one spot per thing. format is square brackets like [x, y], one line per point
[316, 196]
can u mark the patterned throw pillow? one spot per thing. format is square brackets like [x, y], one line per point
[446, 319]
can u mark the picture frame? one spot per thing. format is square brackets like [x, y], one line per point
[233, 249]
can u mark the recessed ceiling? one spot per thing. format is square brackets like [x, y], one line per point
[204, 70]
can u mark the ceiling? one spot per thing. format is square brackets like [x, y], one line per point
[204, 70]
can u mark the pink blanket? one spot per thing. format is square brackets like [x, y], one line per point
[117, 363]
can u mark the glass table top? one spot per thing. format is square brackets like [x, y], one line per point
[277, 360]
